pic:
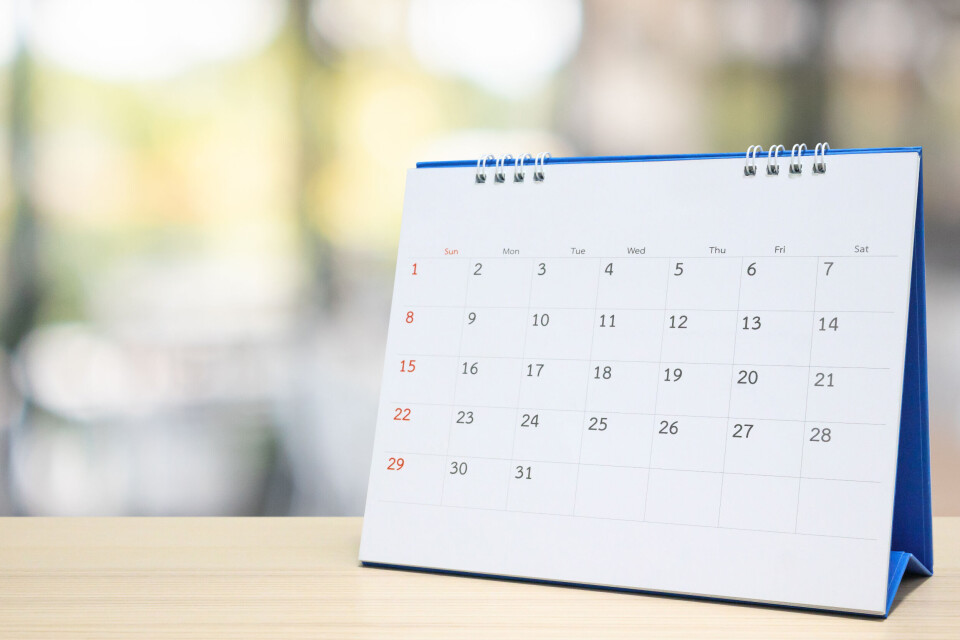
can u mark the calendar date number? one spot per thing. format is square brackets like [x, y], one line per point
[669, 428]
[597, 424]
[742, 430]
[820, 434]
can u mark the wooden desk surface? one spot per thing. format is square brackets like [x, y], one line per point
[299, 578]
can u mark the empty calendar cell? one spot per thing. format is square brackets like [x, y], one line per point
[841, 508]
[691, 335]
[498, 282]
[683, 497]
[407, 477]
[542, 487]
[558, 333]
[852, 339]
[629, 387]
[703, 283]
[475, 482]
[431, 281]
[431, 380]
[480, 431]
[852, 395]
[858, 283]
[845, 451]
[778, 283]
[688, 444]
[419, 428]
[778, 393]
[632, 283]
[492, 332]
[758, 502]
[486, 382]
[763, 447]
[627, 335]
[553, 384]
[618, 493]
[693, 389]
[549, 436]
[618, 439]
[426, 331]
[566, 282]
[773, 337]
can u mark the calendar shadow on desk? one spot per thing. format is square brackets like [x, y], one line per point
[909, 584]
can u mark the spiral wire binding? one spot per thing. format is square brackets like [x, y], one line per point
[750, 166]
[773, 159]
[482, 167]
[500, 175]
[821, 150]
[542, 159]
[519, 172]
[796, 158]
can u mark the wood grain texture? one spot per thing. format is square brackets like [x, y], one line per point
[299, 578]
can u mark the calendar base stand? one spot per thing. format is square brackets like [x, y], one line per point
[912, 540]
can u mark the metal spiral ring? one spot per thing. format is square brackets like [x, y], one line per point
[499, 175]
[518, 173]
[541, 160]
[821, 150]
[482, 167]
[750, 164]
[796, 154]
[773, 159]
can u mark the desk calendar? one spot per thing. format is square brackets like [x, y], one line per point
[695, 375]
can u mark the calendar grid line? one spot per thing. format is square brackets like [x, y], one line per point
[468, 456]
[650, 257]
[648, 315]
[456, 379]
[688, 309]
[586, 393]
[656, 397]
[733, 367]
[640, 413]
[806, 402]
[655, 522]
[523, 352]
[680, 362]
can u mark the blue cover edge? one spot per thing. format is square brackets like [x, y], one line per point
[912, 535]
[441, 164]
[901, 563]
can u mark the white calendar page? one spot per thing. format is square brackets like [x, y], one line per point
[658, 375]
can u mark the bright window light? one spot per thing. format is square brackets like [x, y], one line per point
[8, 33]
[150, 39]
[511, 47]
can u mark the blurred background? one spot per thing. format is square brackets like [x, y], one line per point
[200, 203]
